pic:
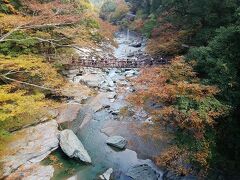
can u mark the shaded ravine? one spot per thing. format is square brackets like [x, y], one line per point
[98, 118]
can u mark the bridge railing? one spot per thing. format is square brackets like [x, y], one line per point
[115, 63]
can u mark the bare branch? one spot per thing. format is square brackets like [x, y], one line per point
[47, 25]
[13, 72]
[37, 38]
[25, 83]
[27, 26]
[9, 33]
[51, 41]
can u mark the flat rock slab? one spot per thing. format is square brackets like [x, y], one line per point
[68, 112]
[72, 146]
[117, 141]
[32, 171]
[91, 80]
[34, 144]
[143, 171]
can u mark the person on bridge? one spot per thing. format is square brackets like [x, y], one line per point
[151, 62]
[94, 62]
[135, 63]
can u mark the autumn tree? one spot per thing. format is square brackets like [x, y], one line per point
[186, 108]
[35, 35]
[46, 22]
[24, 83]
[207, 32]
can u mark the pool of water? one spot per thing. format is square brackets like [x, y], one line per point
[103, 156]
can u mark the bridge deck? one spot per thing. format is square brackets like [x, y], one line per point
[115, 63]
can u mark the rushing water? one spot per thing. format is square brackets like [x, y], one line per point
[94, 140]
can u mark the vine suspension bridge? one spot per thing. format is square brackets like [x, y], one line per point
[118, 63]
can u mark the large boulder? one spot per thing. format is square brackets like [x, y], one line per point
[72, 146]
[130, 54]
[143, 171]
[32, 145]
[106, 175]
[91, 80]
[131, 73]
[109, 81]
[113, 75]
[136, 44]
[117, 141]
[111, 95]
[106, 88]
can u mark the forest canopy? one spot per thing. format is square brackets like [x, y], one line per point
[207, 34]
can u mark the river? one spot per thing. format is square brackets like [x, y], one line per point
[101, 116]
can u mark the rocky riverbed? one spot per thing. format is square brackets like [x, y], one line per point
[105, 116]
[96, 111]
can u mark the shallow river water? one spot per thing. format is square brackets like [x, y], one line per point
[93, 128]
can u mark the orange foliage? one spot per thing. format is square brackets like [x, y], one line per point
[68, 15]
[51, 12]
[173, 158]
[186, 105]
[164, 85]
[107, 30]
[36, 13]
[166, 39]
[138, 24]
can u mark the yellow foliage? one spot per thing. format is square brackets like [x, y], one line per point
[122, 8]
[33, 66]
[10, 21]
[22, 105]
[19, 106]
[80, 35]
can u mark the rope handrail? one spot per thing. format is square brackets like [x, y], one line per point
[117, 63]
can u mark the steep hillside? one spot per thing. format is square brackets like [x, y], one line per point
[37, 39]
[207, 34]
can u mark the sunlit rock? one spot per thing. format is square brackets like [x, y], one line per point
[117, 141]
[72, 146]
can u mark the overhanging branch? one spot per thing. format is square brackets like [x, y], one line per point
[26, 83]
[9, 33]
[27, 26]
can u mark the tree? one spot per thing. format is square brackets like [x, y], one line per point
[187, 107]
[114, 11]
[218, 64]
[208, 32]
[34, 35]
